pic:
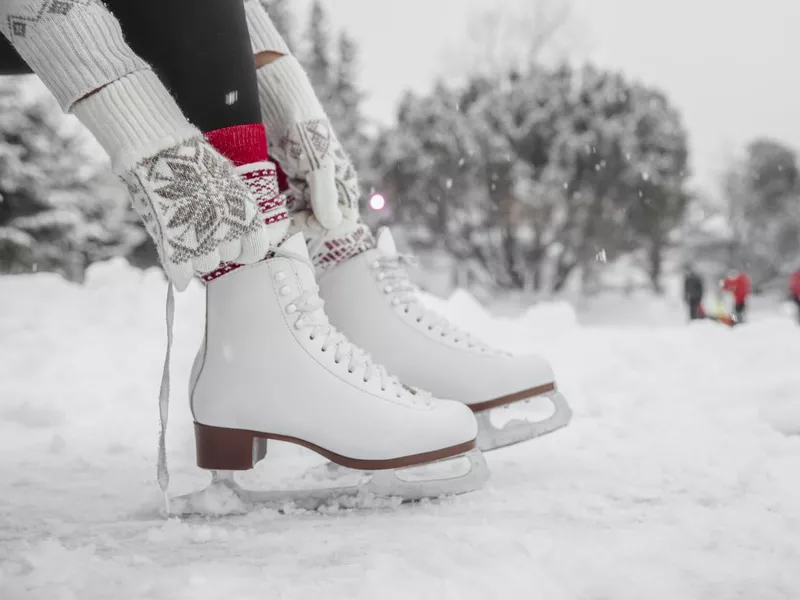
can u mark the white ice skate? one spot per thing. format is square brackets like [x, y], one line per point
[272, 367]
[371, 299]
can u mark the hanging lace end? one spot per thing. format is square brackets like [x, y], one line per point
[163, 399]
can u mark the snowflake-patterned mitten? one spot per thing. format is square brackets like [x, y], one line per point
[198, 210]
[321, 175]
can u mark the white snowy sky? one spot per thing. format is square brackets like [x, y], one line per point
[730, 65]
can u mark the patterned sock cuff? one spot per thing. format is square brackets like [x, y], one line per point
[134, 118]
[330, 248]
[264, 36]
[343, 246]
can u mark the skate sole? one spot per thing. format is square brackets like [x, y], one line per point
[386, 488]
[491, 437]
[222, 449]
[541, 390]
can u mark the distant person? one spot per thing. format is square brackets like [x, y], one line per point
[794, 290]
[693, 294]
[738, 284]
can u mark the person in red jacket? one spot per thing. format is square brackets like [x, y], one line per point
[794, 290]
[739, 285]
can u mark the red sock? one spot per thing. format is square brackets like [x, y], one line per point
[241, 144]
[246, 147]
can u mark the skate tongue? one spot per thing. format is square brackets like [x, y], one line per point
[296, 245]
[385, 242]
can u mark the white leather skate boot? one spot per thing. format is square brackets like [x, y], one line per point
[271, 367]
[370, 298]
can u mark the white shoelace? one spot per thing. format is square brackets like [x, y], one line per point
[163, 399]
[393, 274]
[312, 317]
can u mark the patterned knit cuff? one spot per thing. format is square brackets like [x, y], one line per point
[286, 96]
[134, 118]
[74, 46]
[264, 36]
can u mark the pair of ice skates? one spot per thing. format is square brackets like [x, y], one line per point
[273, 366]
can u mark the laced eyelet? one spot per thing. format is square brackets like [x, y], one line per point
[291, 309]
[376, 265]
[387, 289]
[395, 301]
[280, 276]
[381, 276]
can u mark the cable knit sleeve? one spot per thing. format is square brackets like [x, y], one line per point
[74, 46]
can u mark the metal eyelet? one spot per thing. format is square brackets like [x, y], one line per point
[285, 290]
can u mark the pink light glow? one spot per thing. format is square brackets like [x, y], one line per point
[377, 202]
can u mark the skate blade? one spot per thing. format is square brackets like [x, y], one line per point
[448, 477]
[519, 422]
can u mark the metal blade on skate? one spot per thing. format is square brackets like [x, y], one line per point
[492, 435]
[225, 497]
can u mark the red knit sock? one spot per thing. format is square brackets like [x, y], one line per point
[246, 147]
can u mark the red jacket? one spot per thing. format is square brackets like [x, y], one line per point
[739, 286]
[794, 284]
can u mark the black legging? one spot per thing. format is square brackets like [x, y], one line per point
[200, 50]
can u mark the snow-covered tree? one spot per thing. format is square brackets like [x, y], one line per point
[544, 170]
[763, 192]
[60, 208]
[281, 13]
[345, 108]
[317, 58]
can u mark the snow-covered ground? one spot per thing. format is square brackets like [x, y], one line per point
[679, 477]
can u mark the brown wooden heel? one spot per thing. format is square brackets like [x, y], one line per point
[227, 449]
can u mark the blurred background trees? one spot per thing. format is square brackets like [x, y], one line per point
[523, 173]
[60, 207]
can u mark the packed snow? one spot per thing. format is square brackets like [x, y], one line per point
[678, 477]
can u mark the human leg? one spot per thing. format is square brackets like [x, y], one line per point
[365, 284]
[77, 48]
[292, 377]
